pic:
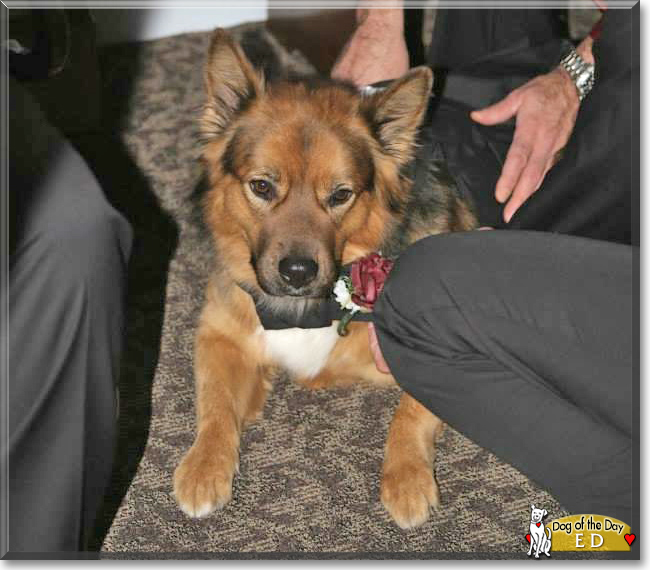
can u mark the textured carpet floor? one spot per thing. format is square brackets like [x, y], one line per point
[310, 468]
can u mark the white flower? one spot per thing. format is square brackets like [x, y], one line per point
[343, 295]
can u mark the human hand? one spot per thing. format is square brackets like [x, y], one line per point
[376, 51]
[545, 109]
[377, 356]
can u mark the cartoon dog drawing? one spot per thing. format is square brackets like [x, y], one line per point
[539, 539]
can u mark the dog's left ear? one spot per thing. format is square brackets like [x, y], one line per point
[231, 83]
[544, 513]
[396, 113]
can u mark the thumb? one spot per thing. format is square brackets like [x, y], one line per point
[499, 112]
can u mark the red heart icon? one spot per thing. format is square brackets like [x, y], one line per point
[539, 524]
[630, 538]
[528, 537]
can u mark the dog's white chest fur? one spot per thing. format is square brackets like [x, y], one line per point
[303, 352]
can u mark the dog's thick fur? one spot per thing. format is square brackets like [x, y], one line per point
[332, 190]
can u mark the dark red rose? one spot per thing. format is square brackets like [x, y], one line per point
[368, 276]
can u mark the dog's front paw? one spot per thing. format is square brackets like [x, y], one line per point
[203, 481]
[409, 491]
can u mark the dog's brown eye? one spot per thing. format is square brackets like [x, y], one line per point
[261, 188]
[340, 196]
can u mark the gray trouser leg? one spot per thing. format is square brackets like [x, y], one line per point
[523, 342]
[66, 292]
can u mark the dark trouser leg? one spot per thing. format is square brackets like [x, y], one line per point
[523, 342]
[67, 279]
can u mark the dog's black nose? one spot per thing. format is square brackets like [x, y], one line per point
[298, 271]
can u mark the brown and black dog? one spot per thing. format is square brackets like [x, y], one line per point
[304, 177]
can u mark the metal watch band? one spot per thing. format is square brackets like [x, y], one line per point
[582, 73]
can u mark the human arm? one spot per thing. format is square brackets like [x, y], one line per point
[377, 49]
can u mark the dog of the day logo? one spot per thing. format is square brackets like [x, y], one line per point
[577, 533]
[539, 536]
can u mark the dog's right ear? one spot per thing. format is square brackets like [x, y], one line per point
[532, 507]
[231, 83]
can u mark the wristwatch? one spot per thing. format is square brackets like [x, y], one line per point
[582, 73]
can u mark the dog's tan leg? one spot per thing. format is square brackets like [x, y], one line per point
[408, 487]
[231, 387]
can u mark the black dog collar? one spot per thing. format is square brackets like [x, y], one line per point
[320, 314]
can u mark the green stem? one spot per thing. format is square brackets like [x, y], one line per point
[342, 329]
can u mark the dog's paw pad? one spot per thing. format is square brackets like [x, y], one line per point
[409, 493]
[201, 485]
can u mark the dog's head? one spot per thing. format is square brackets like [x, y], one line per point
[304, 176]
[536, 515]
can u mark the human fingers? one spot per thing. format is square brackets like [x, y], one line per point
[532, 175]
[515, 163]
[378, 357]
[548, 144]
[499, 112]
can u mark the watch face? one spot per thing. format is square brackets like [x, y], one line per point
[583, 78]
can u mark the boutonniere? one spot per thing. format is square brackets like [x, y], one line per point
[362, 287]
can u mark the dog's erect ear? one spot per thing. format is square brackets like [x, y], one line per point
[544, 512]
[395, 114]
[532, 507]
[231, 83]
